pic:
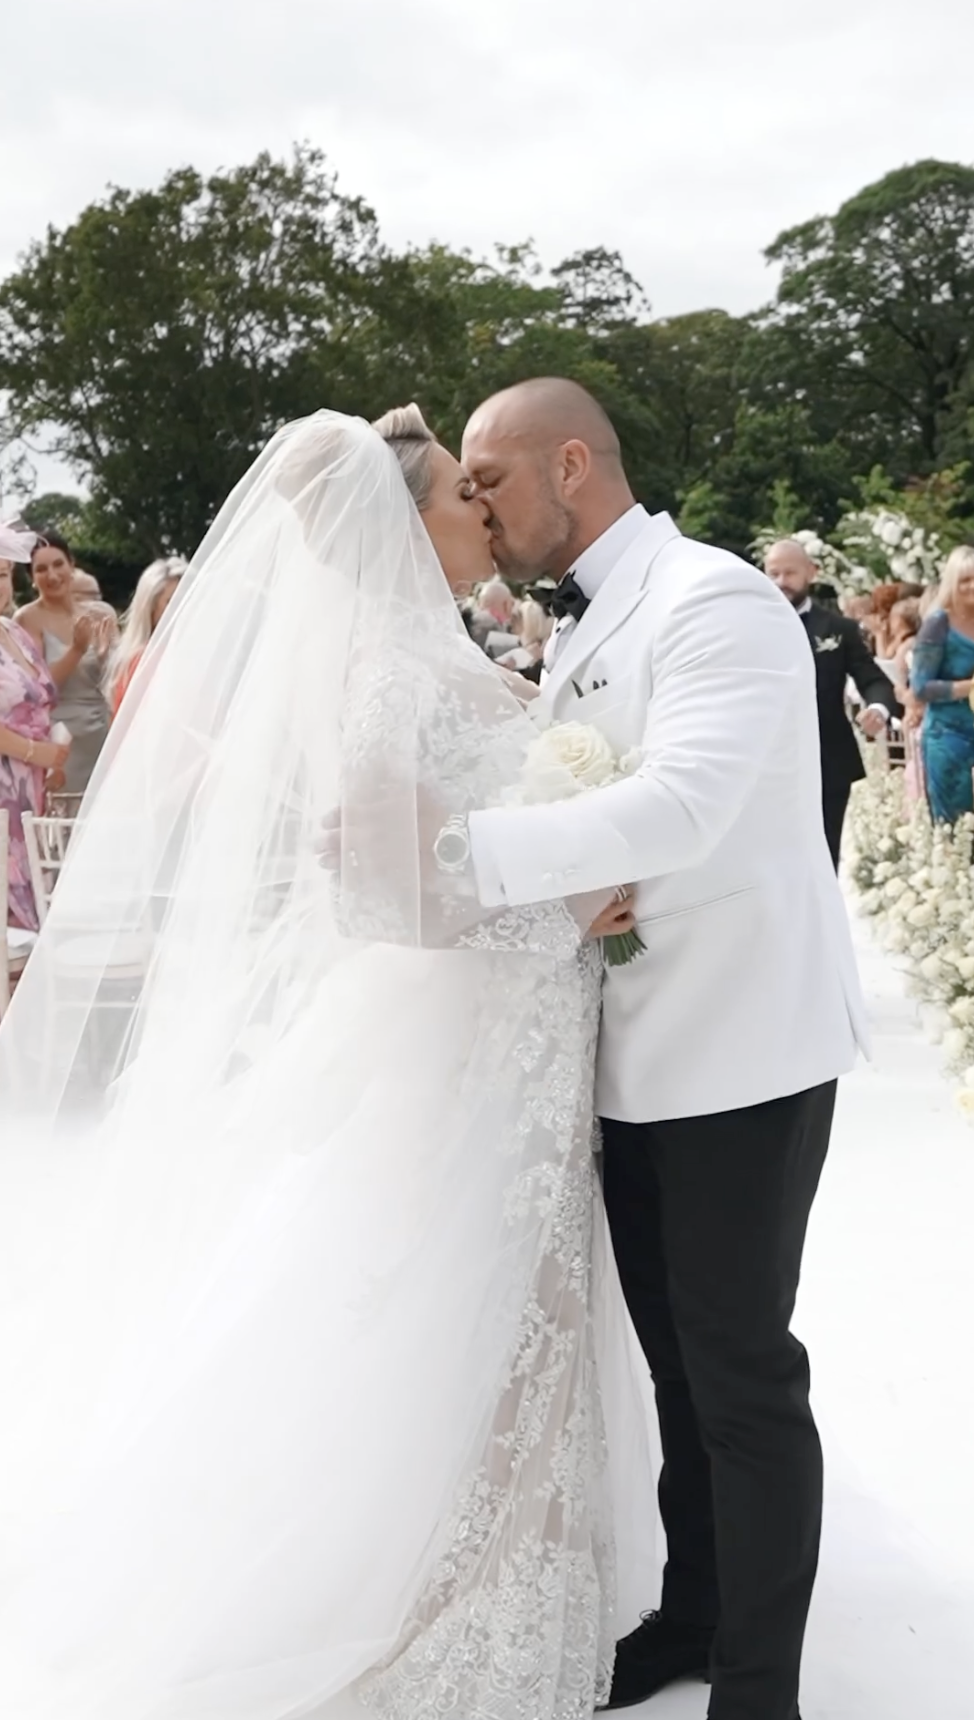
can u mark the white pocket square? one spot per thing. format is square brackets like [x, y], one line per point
[831, 643]
[606, 708]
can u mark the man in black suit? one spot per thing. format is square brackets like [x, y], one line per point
[840, 654]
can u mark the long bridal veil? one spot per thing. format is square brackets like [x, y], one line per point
[276, 1150]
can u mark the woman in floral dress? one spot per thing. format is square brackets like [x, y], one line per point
[27, 698]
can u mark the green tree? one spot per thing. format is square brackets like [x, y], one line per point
[597, 291]
[680, 376]
[873, 327]
[447, 329]
[59, 511]
[165, 334]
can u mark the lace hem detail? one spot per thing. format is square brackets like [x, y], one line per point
[516, 1618]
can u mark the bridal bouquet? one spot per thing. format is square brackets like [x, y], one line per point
[568, 759]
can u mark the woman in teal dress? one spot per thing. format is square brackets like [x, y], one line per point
[942, 677]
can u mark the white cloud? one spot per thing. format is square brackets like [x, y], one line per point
[686, 136]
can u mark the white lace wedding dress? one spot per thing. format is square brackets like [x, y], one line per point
[304, 1292]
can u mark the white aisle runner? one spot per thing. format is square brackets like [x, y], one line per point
[887, 1311]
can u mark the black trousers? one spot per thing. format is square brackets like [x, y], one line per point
[835, 802]
[708, 1218]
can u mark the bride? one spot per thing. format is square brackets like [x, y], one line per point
[304, 1291]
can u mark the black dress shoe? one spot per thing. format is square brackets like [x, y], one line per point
[658, 1652]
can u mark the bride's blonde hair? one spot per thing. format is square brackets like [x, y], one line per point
[412, 441]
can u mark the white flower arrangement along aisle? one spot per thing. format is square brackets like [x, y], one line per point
[873, 545]
[914, 879]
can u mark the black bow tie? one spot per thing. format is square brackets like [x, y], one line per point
[569, 599]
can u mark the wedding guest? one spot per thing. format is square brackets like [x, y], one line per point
[85, 586]
[855, 606]
[495, 622]
[7, 600]
[156, 588]
[904, 625]
[942, 678]
[840, 655]
[534, 629]
[75, 637]
[498, 601]
[27, 753]
[883, 600]
[929, 601]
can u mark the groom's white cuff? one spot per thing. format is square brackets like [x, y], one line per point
[538, 853]
[486, 867]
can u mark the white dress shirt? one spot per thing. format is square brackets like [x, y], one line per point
[594, 566]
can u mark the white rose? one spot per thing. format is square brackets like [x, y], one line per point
[955, 1043]
[905, 904]
[894, 888]
[922, 915]
[920, 879]
[962, 1011]
[891, 533]
[951, 909]
[566, 759]
[965, 967]
[881, 872]
[931, 969]
[871, 902]
[940, 875]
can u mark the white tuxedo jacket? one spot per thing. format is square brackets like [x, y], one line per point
[748, 988]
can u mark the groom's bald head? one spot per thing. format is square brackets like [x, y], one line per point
[545, 412]
[546, 458]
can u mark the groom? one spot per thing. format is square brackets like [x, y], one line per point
[721, 1044]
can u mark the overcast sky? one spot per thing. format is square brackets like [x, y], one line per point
[684, 135]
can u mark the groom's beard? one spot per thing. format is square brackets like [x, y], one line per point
[547, 546]
[506, 562]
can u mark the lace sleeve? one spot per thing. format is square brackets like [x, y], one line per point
[424, 744]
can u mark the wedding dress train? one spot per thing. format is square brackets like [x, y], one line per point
[304, 1285]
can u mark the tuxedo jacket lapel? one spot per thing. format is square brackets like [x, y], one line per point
[613, 603]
